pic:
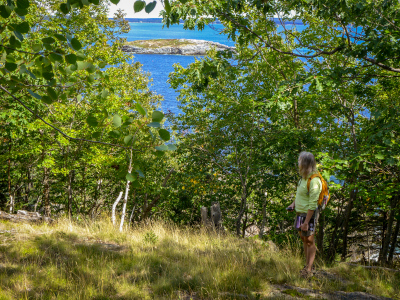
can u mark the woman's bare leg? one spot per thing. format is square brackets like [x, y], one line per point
[311, 250]
[304, 247]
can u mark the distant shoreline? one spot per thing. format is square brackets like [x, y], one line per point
[189, 47]
[159, 20]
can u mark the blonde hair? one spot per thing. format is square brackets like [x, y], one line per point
[307, 164]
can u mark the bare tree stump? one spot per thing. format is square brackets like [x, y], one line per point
[204, 216]
[216, 216]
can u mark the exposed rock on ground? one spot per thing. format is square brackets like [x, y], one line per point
[173, 46]
[25, 216]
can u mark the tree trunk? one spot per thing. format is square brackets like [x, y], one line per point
[353, 195]
[114, 207]
[46, 192]
[394, 240]
[121, 226]
[71, 176]
[204, 216]
[320, 237]
[383, 255]
[243, 205]
[124, 206]
[264, 218]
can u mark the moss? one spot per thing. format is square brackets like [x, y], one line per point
[159, 43]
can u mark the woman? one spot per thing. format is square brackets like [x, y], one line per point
[306, 206]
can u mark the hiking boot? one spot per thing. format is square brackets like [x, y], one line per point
[306, 274]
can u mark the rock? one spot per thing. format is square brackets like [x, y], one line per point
[25, 216]
[272, 246]
[173, 46]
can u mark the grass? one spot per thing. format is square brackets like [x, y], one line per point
[158, 261]
[159, 43]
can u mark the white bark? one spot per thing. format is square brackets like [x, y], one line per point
[121, 226]
[124, 206]
[11, 203]
[113, 208]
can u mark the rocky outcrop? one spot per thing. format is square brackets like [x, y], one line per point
[177, 47]
[25, 216]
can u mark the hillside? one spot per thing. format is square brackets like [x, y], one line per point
[161, 261]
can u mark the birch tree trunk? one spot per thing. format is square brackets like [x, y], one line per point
[126, 195]
[114, 207]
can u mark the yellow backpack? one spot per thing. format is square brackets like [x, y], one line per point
[324, 196]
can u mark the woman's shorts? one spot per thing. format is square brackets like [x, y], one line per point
[312, 224]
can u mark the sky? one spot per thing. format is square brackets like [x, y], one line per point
[127, 7]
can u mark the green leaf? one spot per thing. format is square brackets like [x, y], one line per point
[135, 184]
[162, 148]
[154, 125]
[157, 116]
[91, 78]
[139, 5]
[150, 7]
[52, 93]
[18, 35]
[34, 95]
[379, 156]
[37, 47]
[128, 139]
[140, 173]
[47, 99]
[83, 65]
[318, 85]
[117, 120]
[24, 4]
[48, 40]
[21, 11]
[97, 134]
[56, 57]
[11, 66]
[167, 6]
[60, 37]
[75, 44]
[95, 2]
[70, 58]
[172, 147]
[140, 109]
[115, 1]
[164, 134]
[92, 120]
[5, 11]
[159, 153]
[91, 68]
[23, 27]
[65, 8]
[130, 177]
[104, 94]
[102, 65]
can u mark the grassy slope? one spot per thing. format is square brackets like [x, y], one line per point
[158, 43]
[156, 261]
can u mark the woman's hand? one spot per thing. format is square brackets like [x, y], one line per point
[304, 226]
[290, 207]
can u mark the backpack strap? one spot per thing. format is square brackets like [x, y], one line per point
[311, 178]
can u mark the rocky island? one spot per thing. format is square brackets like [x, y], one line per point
[173, 46]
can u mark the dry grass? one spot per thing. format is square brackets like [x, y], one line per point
[159, 43]
[155, 261]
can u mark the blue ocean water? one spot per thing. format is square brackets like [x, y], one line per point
[159, 66]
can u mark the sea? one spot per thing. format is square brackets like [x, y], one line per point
[160, 66]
